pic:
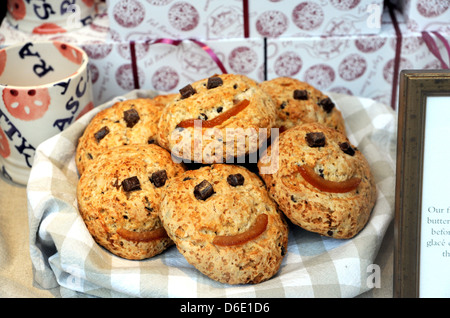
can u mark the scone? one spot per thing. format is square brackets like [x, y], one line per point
[224, 223]
[164, 99]
[298, 102]
[321, 181]
[127, 122]
[119, 197]
[217, 119]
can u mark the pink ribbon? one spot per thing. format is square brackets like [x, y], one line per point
[429, 41]
[434, 49]
[202, 45]
[134, 68]
[246, 21]
[398, 52]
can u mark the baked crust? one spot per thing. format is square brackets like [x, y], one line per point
[221, 143]
[107, 203]
[337, 215]
[118, 131]
[302, 107]
[194, 223]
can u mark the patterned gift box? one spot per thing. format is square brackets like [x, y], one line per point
[215, 19]
[287, 18]
[427, 15]
[202, 19]
[362, 65]
[167, 66]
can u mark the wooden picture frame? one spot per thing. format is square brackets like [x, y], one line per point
[416, 91]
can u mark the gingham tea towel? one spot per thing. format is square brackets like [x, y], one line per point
[64, 254]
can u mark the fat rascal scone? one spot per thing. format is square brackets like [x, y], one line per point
[119, 199]
[225, 224]
[216, 119]
[127, 122]
[321, 181]
[298, 102]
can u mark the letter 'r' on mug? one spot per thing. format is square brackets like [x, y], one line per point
[44, 87]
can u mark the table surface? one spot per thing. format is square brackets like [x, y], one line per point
[16, 274]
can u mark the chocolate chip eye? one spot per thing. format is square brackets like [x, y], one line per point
[235, 179]
[203, 190]
[159, 178]
[31, 92]
[315, 139]
[203, 116]
[300, 94]
[283, 250]
[131, 184]
[214, 82]
[14, 92]
[326, 104]
[187, 91]
[131, 117]
[99, 135]
[346, 148]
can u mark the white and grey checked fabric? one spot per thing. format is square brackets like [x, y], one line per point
[64, 254]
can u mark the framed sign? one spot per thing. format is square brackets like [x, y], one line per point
[422, 200]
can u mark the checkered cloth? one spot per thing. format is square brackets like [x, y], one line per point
[64, 254]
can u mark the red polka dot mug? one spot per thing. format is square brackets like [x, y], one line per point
[50, 16]
[44, 87]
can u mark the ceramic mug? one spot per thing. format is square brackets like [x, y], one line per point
[44, 87]
[50, 16]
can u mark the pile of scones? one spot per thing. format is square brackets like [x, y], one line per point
[222, 170]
